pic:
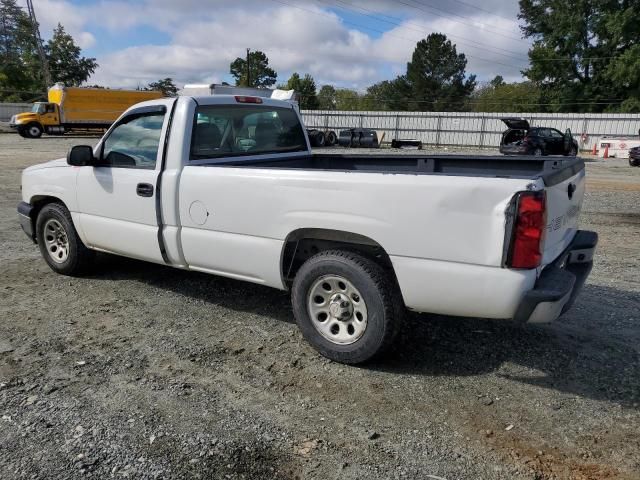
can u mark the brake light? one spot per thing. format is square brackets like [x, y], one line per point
[529, 228]
[245, 99]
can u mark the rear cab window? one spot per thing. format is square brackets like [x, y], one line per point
[234, 130]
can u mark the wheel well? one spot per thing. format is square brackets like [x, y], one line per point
[302, 244]
[38, 202]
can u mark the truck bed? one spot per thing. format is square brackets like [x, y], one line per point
[551, 170]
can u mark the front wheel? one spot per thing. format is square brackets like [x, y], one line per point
[634, 163]
[347, 306]
[59, 242]
[33, 130]
[537, 152]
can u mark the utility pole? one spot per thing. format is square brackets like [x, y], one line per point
[248, 69]
[36, 34]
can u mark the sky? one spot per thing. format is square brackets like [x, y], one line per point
[347, 43]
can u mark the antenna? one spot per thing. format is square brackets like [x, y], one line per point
[36, 33]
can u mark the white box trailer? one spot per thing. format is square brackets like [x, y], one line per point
[618, 147]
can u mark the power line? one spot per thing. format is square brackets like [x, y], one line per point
[412, 40]
[465, 41]
[482, 9]
[409, 100]
[448, 15]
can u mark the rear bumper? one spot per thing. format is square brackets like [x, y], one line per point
[24, 216]
[560, 282]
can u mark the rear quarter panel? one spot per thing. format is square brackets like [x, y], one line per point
[445, 230]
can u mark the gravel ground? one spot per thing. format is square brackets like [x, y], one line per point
[141, 371]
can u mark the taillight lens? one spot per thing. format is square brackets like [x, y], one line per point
[529, 228]
[246, 99]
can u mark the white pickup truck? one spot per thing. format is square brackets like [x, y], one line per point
[229, 186]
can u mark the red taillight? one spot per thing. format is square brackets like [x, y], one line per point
[245, 99]
[529, 228]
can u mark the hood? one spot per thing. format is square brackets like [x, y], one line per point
[516, 123]
[60, 162]
[25, 117]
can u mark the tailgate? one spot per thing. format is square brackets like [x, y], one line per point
[564, 201]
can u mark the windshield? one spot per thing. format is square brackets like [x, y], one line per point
[233, 130]
[37, 108]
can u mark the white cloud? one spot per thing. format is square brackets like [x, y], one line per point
[206, 35]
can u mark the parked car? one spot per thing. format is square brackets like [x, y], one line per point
[228, 185]
[522, 139]
[634, 157]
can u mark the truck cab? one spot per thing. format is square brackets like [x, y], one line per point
[43, 117]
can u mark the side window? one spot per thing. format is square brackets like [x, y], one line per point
[133, 143]
[555, 133]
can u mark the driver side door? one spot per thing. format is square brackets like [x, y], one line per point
[117, 197]
[556, 142]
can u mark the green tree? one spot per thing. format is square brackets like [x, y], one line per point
[498, 96]
[261, 74]
[585, 52]
[347, 99]
[327, 98]
[165, 85]
[305, 87]
[19, 63]
[391, 95]
[66, 63]
[497, 81]
[436, 73]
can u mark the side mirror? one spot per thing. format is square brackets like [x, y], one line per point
[81, 156]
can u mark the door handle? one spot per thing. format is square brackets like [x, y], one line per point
[144, 190]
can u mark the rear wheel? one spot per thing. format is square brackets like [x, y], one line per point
[347, 306]
[59, 242]
[634, 163]
[537, 152]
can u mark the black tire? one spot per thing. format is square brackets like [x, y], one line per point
[78, 258]
[634, 163]
[537, 152]
[331, 139]
[320, 139]
[572, 152]
[33, 130]
[378, 290]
